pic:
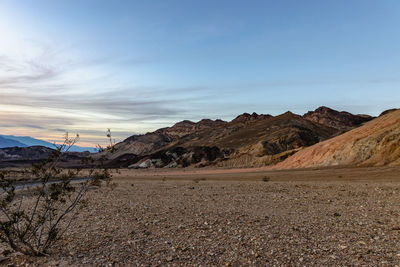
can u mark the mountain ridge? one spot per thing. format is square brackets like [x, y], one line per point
[247, 140]
[6, 142]
[341, 120]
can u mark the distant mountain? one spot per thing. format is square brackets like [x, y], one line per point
[25, 156]
[26, 141]
[376, 143]
[249, 140]
[5, 142]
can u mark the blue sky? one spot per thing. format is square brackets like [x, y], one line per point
[135, 66]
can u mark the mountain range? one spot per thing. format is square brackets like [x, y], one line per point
[27, 141]
[249, 140]
[320, 138]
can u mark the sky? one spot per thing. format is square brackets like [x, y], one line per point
[136, 66]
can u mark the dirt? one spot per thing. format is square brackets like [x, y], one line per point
[309, 217]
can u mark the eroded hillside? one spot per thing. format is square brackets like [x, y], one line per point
[377, 143]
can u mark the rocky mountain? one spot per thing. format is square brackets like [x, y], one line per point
[340, 120]
[187, 127]
[6, 142]
[152, 142]
[246, 117]
[377, 143]
[248, 140]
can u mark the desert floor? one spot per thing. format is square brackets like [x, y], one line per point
[320, 217]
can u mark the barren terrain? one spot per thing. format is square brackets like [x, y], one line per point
[232, 217]
[249, 140]
[376, 143]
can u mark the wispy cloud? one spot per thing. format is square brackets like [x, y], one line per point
[13, 73]
[50, 91]
[43, 95]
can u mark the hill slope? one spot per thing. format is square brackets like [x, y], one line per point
[376, 143]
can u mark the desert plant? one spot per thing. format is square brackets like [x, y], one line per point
[33, 219]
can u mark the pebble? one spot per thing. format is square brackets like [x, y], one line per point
[245, 223]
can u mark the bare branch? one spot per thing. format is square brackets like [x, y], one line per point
[32, 227]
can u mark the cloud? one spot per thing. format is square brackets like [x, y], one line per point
[52, 91]
[26, 73]
[44, 95]
[112, 103]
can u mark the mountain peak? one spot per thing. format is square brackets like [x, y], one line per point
[245, 117]
[324, 109]
[340, 120]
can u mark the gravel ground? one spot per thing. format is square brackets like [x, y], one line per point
[233, 223]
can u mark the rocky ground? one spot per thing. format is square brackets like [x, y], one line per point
[196, 220]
